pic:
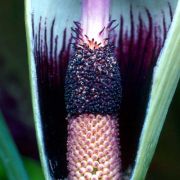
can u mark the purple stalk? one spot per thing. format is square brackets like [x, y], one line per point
[95, 17]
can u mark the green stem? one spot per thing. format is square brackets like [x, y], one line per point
[9, 155]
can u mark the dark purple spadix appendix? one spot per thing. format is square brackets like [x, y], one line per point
[93, 81]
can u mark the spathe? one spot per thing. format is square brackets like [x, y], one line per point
[64, 13]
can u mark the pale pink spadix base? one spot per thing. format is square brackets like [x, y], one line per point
[93, 151]
[95, 17]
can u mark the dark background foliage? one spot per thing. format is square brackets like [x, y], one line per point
[15, 98]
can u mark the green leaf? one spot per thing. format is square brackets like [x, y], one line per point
[34, 169]
[165, 80]
[9, 155]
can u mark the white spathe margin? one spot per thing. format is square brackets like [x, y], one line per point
[65, 12]
[165, 79]
[122, 8]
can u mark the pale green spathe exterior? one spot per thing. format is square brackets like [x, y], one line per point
[34, 92]
[165, 80]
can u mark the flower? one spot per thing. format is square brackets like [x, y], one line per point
[134, 35]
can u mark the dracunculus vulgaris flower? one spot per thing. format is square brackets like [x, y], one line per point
[103, 73]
